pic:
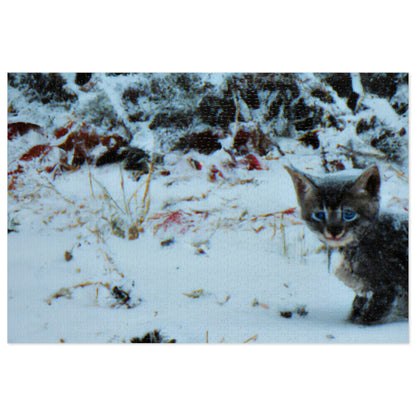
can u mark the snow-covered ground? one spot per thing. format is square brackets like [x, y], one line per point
[221, 254]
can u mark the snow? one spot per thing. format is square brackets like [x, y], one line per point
[236, 262]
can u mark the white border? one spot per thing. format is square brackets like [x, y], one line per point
[257, 36]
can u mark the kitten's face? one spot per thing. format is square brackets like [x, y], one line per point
[338, 209]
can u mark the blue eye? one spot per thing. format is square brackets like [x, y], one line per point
[349, 215]
[318, 216]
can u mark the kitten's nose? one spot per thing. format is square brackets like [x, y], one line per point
[334, 231]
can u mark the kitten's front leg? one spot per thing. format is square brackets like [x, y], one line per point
[373, 310]
[358, 306]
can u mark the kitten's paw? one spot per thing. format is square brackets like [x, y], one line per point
[374, 310]
[358, 307]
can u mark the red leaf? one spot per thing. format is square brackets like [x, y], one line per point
[253, 162]
[213, 173]
[20, 128]
[19, 169]
[63, 131]
[36, 151]
[171, 218]
[195, 164]
[83, 138]
[113, 141]
[289, 211]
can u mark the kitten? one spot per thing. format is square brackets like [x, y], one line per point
[344, 213]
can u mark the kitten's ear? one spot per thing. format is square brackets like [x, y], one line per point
[368, 181]
[301, 182]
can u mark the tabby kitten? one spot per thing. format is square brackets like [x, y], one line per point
[344, 213]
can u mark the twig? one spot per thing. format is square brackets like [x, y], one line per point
[96, 232]
[237, 106]
[273, 214]
[110, 261]
[357, 87]
[282, 230]
[90, 180]
[274, 227]
[108, 195]
[353, 158]
[253, 338]
[146, 199]
[377, 155]
[126, 207]
[134, 195]
[51, 186]
[398, 173]
[324, 160]
[282, 153]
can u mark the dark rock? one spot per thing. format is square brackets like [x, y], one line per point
[331, 121]
[352, 101]
[205, 142]
[136, 159]
[288, 91]
[274, 108]
[184, 81]
[310, 139]
[382, 84]
[216, 111]
[153, 337]
[323, 95]
[251, 98]
[400, 108]
[341, 83]
[13, 79]
[284, 83]
[307, 124]
[298, 111]
[248, 92]
[43, 87]
[81, 78]
[138, 117]
[389, 144]
[302, 116]
[363, 126]
[111, 156]
[131, 94]
[286, 314]
[118, 150]
[171, 118]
